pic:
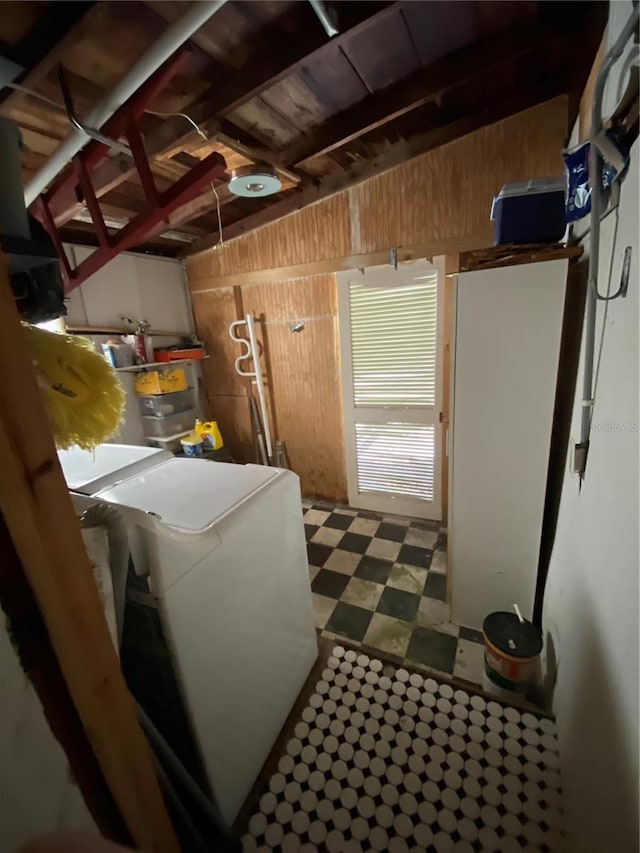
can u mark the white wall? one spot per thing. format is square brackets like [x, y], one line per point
[138, 286]
[591, 600]
[36, 791]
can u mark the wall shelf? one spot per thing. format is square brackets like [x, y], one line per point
[115, 330]
[136, 368]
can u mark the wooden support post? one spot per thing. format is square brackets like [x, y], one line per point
[46, 534]
[451, 267]
[33, 646]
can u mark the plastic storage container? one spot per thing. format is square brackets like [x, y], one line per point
[160, 405]
[169, 424]
[529, 212]
[165, 381]
[179, 353]
[192, 445]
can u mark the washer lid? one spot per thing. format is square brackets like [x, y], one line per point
[88, 471]
[190, 494]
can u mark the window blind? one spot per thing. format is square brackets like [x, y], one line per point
[396, 458]
[393, 343]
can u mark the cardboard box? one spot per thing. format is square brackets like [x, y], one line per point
[161, 381]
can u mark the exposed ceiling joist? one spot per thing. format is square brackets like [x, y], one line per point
[42, 49]
[481, 59]
[221, 100]
[394, 156]
[268, 85]
[538, 52]
[239, 141]
[289, 55]
[223, 131]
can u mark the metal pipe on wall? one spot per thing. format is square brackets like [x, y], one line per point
[595, 168]
[251, 351]
[197, 15]
[325, 16]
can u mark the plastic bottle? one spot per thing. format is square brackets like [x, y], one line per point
[210, 434]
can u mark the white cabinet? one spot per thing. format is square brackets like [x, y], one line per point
[144, 288]
[507, 345]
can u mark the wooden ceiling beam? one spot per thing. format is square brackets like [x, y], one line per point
[240, 142]
[480, 60]
[165, 138]
[288, 54]
[434, 138]
[202, 204]
[84, 234]
[120, 168]
[61, 27]
[125, 206]
[225, 98]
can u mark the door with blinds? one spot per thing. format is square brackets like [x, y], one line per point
[391, 363]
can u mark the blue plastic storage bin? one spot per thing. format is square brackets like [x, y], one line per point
[529, 212]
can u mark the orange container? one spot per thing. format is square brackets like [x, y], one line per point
[511, 651]
[196, 353]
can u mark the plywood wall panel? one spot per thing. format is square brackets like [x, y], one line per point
[309, 297]
[441, 198]
[234, 419]
[305, 389]
[213, 312]
[447, 192]
[307, 235]
[302, 372]
[442, 195]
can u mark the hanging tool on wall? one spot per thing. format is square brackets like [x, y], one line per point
[251, 352]
[257, 429]
[281, 455]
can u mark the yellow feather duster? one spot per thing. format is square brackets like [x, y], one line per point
[84, 397]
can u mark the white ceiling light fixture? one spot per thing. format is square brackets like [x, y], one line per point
[255, 181]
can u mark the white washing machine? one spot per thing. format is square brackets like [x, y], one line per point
[89, 471]
[225, 551]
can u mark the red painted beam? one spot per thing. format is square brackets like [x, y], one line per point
[75, 183]
[93, 206]
[212, 168]
[142, 163]
[63, 192]
[40, 209]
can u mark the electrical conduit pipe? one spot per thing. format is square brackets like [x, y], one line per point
[595, 168]
[164, 47]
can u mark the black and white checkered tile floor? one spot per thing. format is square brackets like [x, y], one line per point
[385, 759]
[380, 583]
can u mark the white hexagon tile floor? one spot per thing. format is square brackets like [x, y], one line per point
[384, 759]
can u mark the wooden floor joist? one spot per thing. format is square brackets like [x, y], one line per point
[46, 534]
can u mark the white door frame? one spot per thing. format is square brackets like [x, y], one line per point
[379, 501]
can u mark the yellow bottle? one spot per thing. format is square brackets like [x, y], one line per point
[210, 434]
